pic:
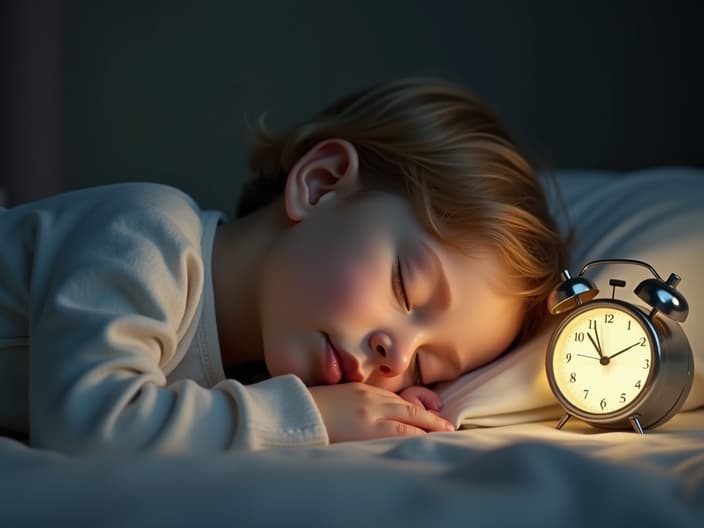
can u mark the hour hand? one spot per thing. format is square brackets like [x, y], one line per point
[595, 343]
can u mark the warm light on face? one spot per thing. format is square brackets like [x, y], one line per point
[603, 359]
[366, 273]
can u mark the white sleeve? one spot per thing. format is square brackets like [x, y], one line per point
[113, 305]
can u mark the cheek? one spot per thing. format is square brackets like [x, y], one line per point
[344, 287]
[320, 279]
[351, 288]
[344, 276]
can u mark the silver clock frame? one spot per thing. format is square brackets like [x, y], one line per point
[668, 383]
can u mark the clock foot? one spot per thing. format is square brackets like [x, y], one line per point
[635, 423]
[563, 421]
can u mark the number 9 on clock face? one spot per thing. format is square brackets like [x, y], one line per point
[602, 359]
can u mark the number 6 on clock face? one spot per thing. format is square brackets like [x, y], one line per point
[602, 360]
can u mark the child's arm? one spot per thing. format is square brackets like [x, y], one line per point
[113, 291]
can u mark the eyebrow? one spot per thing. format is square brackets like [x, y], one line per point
[442, 295]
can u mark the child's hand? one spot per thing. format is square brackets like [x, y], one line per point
[356, 411]
[422, 396]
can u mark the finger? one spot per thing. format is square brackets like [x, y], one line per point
[387, 428]
[416, 400]
[411, 414]
[430, 400]
[424, 396]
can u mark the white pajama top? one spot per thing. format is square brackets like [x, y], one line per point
[108, 337]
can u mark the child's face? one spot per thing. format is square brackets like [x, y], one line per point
[333, 309]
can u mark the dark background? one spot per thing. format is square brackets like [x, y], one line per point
[103, 91]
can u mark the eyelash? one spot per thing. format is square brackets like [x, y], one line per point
[399, 286]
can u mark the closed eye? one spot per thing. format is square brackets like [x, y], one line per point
[399, 286]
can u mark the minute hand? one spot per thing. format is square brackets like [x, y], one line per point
[624, 350]
[595, 343]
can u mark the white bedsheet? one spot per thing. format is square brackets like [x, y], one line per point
[526, 474]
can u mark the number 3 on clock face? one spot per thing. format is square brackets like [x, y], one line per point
[602, 359]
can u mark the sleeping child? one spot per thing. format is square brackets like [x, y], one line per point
[395, 240]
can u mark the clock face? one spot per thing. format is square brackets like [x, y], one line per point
[602, 359]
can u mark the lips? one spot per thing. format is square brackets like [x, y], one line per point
[339, 365]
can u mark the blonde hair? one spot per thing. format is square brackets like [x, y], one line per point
[442, 147]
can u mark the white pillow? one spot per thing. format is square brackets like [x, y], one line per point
[654, 215]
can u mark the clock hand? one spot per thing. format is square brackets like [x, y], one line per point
[624, 350]
[598, 342]
[597, 346]
[590, 357]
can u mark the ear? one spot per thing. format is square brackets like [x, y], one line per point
[328, 168]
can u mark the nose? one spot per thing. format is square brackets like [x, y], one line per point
[391, 356]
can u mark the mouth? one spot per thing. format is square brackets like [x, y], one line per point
[339, 365]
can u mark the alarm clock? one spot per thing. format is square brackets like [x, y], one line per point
[614, 364]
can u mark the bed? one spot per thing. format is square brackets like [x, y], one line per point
[506, 465]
